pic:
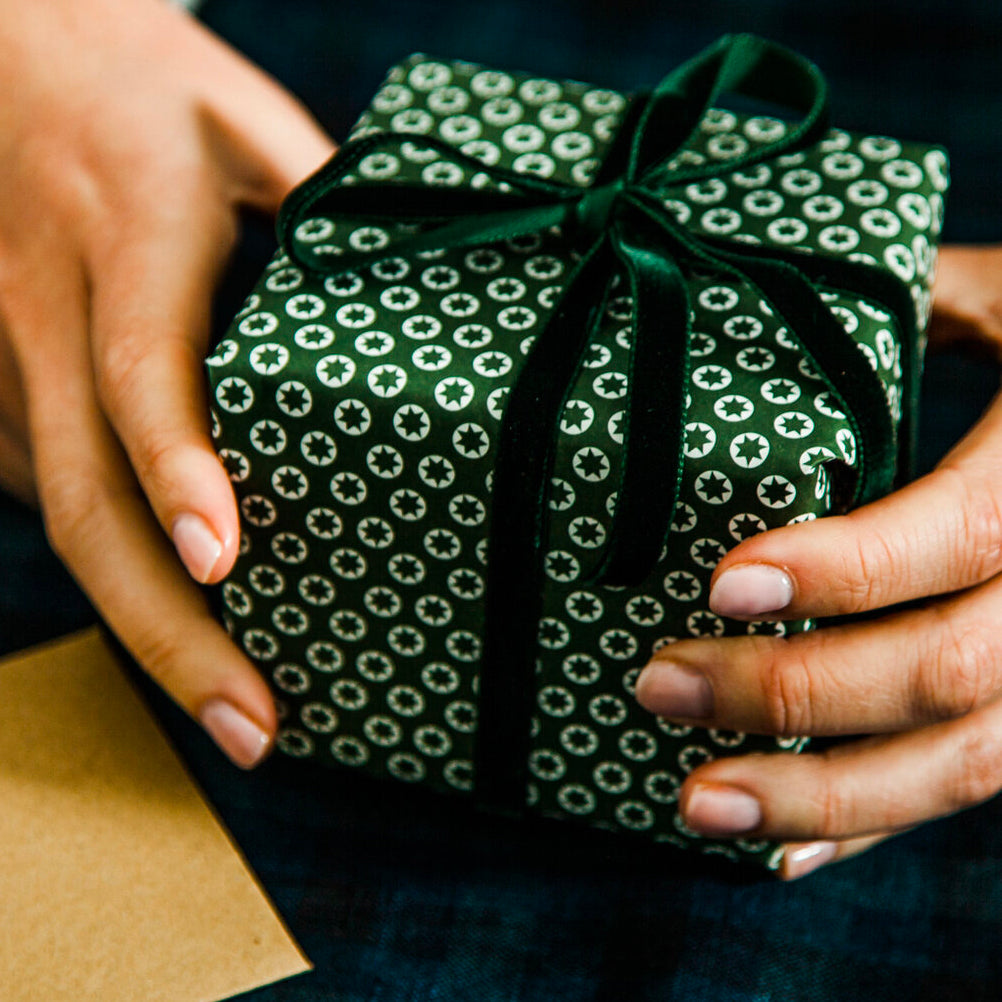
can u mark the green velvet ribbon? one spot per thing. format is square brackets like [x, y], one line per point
[618, 225]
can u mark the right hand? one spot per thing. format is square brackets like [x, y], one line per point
[130, 137]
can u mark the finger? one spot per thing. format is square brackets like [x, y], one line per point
[938, 534]
[893, 673]
[967, 309]
[802, 858]
[152, 291]
[16, 473]
[858, 789]
[263, 139]
[12, 412]
[266, 141]
[276, 150]
[100, 525]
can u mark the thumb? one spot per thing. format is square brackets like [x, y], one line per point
[967, 307]
[264, 140]
[268, 141]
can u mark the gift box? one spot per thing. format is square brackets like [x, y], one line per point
[532, 356]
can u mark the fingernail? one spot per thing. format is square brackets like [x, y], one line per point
[242, 740]
[807, 858]
[673, 691]
[751, 590]
[722, 810]
[197, 545]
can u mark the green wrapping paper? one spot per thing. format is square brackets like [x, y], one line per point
[531, 358]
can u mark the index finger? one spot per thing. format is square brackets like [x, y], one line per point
[150, 316]
[99, 523]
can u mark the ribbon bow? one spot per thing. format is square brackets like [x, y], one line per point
[619, 224]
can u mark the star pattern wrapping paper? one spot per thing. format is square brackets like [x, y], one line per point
[358, 412]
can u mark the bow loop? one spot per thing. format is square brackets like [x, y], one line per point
[747, 65]
[442, 197]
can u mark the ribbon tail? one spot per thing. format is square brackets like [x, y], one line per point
[834, 354]
[878, 286]
[654, 409]
[517, 537]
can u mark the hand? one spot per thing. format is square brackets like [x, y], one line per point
[923, 682]
[129, 139]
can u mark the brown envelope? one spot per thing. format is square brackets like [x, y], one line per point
[117, 882]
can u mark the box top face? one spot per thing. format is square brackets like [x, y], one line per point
[562, 129]
[868, 198]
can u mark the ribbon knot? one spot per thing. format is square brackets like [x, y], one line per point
[594, 211]
[619, 226]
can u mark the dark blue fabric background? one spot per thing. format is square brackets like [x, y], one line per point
[398, 897]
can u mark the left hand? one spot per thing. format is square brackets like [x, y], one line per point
[923, 682]
[130, 140]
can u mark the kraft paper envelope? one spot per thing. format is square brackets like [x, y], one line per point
[117, 883]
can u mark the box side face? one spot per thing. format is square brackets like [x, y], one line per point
[358, 415]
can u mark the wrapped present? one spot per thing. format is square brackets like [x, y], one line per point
[531, 358]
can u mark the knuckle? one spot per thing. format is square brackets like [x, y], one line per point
[833, 806]
[979, 539]
[71, 503]
[155, 459]
[870, 562]
[977, 775]
[960, 674]
[119, 372]
[123, 388]
[788, 690]
[130, 357]
[161, 654]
